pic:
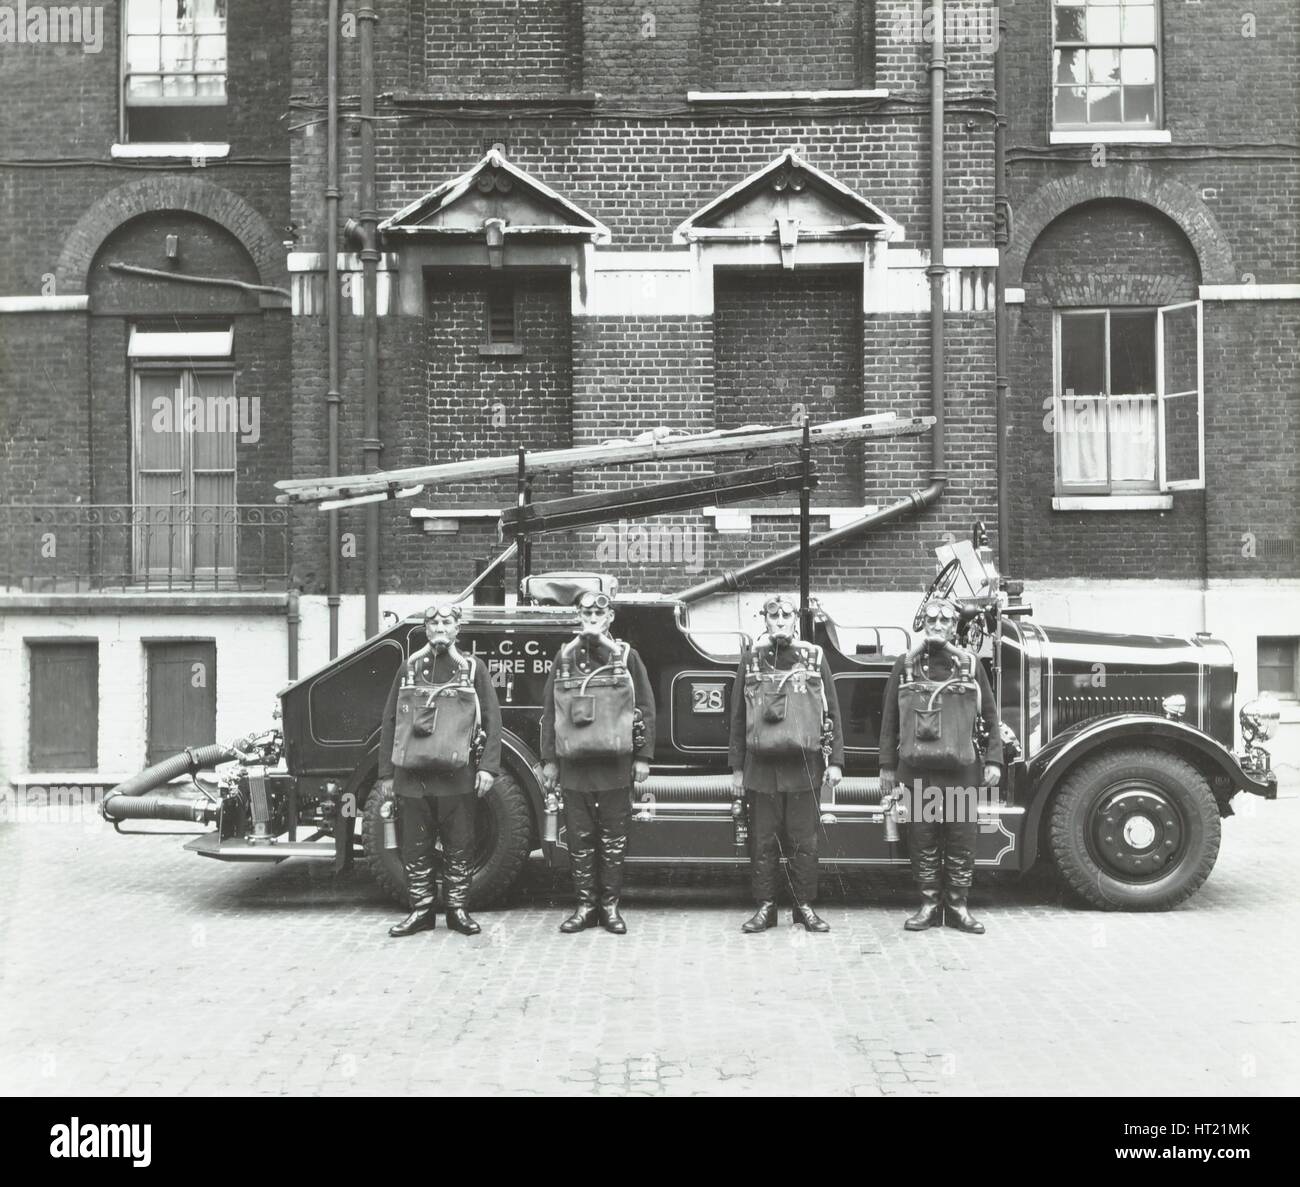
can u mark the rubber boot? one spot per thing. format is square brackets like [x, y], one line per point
[457, 879]
[930, 912]
[958, 873]
[583, 864]
[419, 886]
[957, 914]
[610, 919]
[613, 845]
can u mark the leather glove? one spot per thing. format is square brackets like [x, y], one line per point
[483, 781]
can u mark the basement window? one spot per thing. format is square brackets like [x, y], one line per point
[1276, 665]
[501, 322]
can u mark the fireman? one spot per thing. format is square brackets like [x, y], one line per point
[934, 696]
[598, 731]
[786, 741]
[440, 746]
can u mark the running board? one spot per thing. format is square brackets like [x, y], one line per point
[239, 849]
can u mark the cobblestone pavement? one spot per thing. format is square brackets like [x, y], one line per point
[130, 965]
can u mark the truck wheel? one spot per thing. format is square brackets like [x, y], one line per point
[1134, 830]
[503, 827]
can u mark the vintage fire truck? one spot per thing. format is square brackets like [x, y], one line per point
[1119, 748]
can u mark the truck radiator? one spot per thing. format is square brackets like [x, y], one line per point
[1068, 711]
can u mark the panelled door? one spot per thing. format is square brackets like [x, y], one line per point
[186, 423]
[182, 696]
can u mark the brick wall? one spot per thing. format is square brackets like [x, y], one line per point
[754, 45]
[503, 46]
[782, 339]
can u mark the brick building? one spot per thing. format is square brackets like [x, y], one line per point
[595, 217]
[711, 214]
[143, 564]
[1156, 224]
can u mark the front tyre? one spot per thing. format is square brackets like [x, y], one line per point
[502, 841]
[1135, 829]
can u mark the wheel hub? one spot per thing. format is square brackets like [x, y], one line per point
[1137, 832]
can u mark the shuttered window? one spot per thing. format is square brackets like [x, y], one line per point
[63, 709]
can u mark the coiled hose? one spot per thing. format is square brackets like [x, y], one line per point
[128, 801]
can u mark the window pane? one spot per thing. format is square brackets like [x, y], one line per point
[178, 53]
[1139, 105]
[142, 53]
[1139, 24]
[1069, 24]
[178, 16]
[212, 87]
[1133, 440]
[143, 86]
[1133, 353]
[1081, 440]
[179, 86]
[1083, 345]
[1103, 25]
[142, 16]
[1070, 65]
[210, 16]
[1103, 65]
[1103, 105]
[1071, 105]
[211, 53]
[1138, 66]
[1180, 349]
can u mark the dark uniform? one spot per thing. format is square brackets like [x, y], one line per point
[598, 792]
[784, 793]
[431, 803]
[942, 851]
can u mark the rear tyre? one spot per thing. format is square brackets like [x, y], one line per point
[1135, 829]
[503, 828]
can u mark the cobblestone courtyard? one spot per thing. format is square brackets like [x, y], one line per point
[130, 965]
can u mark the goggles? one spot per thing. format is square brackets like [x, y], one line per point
[772, 605]
[940, 612]
[593, 601]
[445, 610]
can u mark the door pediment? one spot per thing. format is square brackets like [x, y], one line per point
[491, 200]
[785, 201]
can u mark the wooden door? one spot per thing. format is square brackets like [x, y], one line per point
[182, 696]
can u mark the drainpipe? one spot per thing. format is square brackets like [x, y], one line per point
[369, 219]
[936, 271]
[294, 618]
[332, 397]
[1001, 238]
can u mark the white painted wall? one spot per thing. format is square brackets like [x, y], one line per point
[252, 666]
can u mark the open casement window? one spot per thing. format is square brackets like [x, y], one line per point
[174, 71]
[1127, 414]
[184, 512]
[1180, 386]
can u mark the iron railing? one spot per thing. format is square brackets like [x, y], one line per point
[80, 547]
